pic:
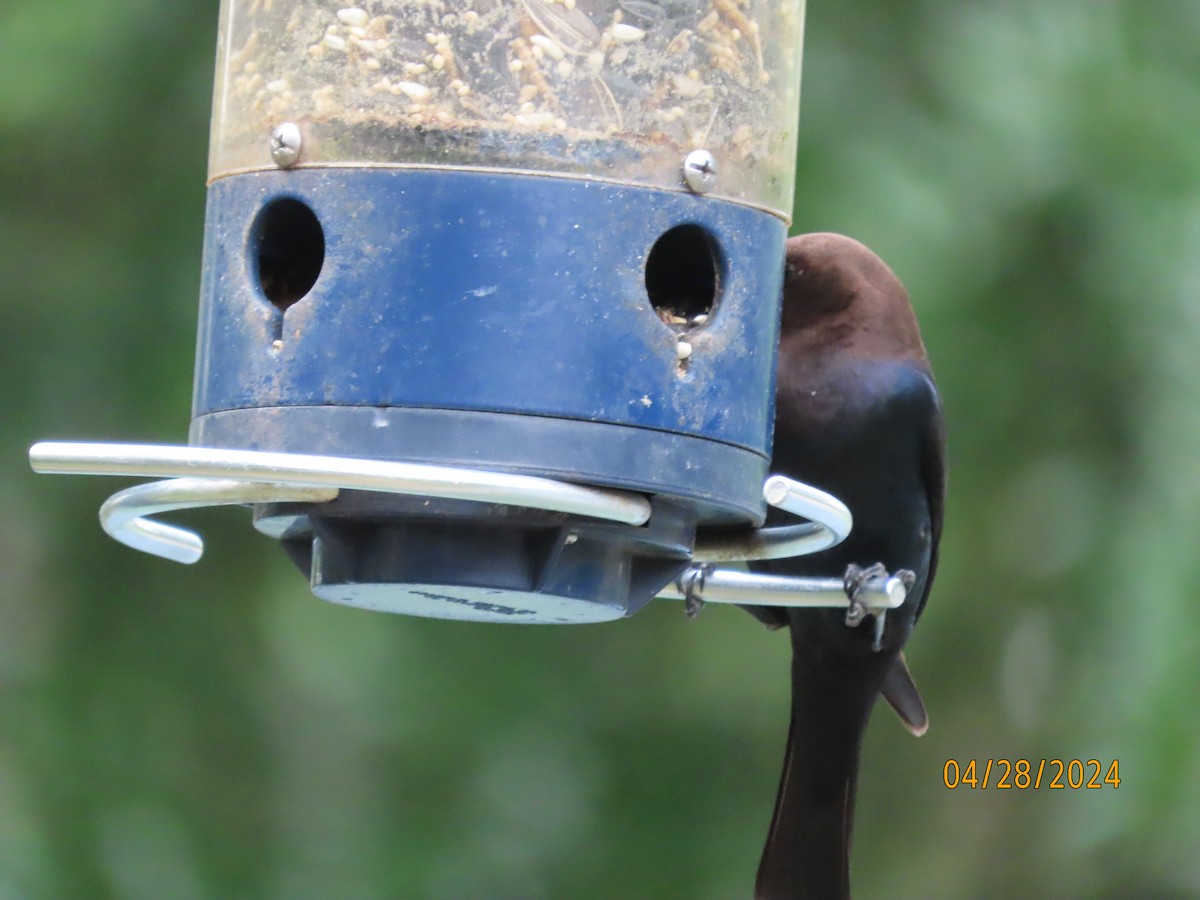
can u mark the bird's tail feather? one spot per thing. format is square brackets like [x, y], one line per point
[901, 692]
[807, 853]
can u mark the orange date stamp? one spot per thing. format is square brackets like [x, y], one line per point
[1031, 774]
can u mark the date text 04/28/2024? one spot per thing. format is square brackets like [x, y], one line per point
[1026, 774]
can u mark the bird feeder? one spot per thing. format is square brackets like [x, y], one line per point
[490, 306]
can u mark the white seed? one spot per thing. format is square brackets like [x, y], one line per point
[627, 33]
[471, 18]
[540, 40]
[700, 319]
[416, 92]
[541, 119]
[353, 15]
[515, 65]
[527, 93]
[683, 350]
[564, 68]
[569, 4]
[277, 86]
[333, 42]
[686, 86]
[371, 62]
[438, 61]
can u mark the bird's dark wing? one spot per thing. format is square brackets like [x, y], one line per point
[898, 687]
[933, 473]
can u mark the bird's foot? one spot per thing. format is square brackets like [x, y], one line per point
[691, 585]
[852, 584]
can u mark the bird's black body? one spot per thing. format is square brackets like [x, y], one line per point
[857, 414]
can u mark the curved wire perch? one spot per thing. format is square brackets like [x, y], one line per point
[201, 476]
[153, 461]
[123, 515]
[829, 523]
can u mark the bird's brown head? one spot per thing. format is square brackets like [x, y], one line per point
[838, 294]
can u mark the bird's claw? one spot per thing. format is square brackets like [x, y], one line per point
[852, 584]
[853, 581]
[880, 621]
[691, 585]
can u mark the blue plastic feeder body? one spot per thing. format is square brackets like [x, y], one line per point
[597, 333]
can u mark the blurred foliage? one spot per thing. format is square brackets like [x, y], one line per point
[1030, 169]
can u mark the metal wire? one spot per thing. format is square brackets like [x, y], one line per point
[123, 515]
[732, 586]
[200, 476]
[153, 461]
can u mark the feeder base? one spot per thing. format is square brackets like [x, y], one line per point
[453, 559]
[440, 601]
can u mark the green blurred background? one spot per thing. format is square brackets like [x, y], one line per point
[1031, 169]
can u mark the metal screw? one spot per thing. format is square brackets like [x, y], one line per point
[700, 171]
[285, 145]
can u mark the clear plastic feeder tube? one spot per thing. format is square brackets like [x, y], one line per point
[620, 90]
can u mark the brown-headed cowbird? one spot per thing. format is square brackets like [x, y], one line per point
[856, 414]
